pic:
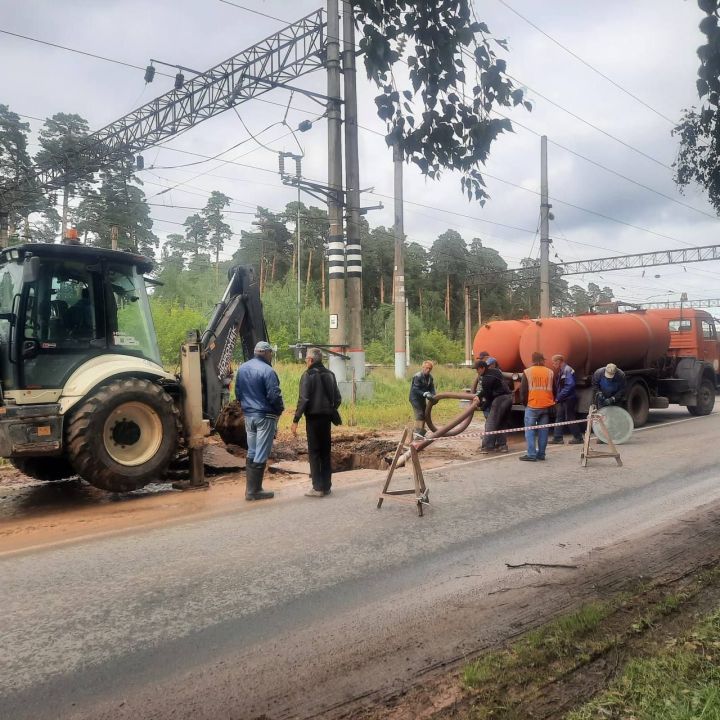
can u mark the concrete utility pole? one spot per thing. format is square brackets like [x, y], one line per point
[545, 303]
[399, 268]
[4, 230]
[352, 188]
[468, 327]
[407, 334]
[298, 175]
[336, 245]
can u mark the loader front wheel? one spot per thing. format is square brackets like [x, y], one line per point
[124, 435]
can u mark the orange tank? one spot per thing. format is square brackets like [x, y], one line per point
[631, 340]
[501, 338]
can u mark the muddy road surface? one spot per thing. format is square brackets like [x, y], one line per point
[301, 607]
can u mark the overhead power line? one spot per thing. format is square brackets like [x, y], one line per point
[584, 62]
[255, 12]
[78, 52]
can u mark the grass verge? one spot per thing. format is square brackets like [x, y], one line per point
[569, 662]
[389, 406]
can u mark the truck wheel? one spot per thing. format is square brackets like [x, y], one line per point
[637, 403]
[705, 399]
[44, 468]
[124, 435]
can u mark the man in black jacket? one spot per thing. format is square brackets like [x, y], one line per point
[497, 401]
[319, 400]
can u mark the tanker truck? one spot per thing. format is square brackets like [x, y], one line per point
[668, 355]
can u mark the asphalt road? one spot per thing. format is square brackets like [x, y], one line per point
[296, 607]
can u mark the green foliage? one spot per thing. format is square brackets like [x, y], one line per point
[61, 141]
[118, 206]
[379, 353]
[20, 195]
[436, 346]
[172, 324]
[699, 130]
[280, 307]
[456, 80]
[389, 407]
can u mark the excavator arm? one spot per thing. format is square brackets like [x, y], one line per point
[238, 316]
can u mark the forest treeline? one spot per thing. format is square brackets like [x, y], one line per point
[109, 203]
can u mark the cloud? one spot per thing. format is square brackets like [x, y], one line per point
[647, 47]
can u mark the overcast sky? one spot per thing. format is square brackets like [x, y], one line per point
[648, 47]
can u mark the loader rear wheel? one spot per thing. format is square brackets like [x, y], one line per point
[124, 435]
[44, 468]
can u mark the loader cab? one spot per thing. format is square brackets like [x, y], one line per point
[61, 305]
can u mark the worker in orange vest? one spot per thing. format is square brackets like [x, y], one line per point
[536, 393]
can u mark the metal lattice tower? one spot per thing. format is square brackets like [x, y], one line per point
[293, 51]
[620, 262]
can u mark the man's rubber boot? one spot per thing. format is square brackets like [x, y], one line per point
[254, 473]
[253, 482]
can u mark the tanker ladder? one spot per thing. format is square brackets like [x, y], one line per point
[406, 451]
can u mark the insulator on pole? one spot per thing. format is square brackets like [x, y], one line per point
[179, 80]
[298, 167]
[140, 162]
[281, 164]
[149, 73]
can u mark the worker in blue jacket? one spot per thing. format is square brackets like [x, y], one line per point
[608, 385]
[566, 401]
[257, 387]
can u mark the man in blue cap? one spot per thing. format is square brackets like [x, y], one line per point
[257, 388]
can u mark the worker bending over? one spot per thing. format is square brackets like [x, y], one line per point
[608, 385]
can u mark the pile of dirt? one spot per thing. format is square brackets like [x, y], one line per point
[230, 425]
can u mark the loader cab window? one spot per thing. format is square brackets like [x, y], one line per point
[76, 311]
[10, 287]
[708, 330]
[679, 325]
[129, 320]
[62, 322]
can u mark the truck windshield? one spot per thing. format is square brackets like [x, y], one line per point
[679, 325]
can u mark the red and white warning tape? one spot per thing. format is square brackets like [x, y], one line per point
[480, 434]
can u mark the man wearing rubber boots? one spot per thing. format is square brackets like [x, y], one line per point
[257, 387]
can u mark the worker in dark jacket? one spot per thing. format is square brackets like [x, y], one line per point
[496, 400]
[608, 385]
[422, 387]
[257, 387]
[319, 400]
[566, 401]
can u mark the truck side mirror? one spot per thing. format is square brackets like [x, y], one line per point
[31, 270]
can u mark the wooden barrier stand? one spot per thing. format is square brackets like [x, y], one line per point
[420, 492]
[589, 452]
[420, 495]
